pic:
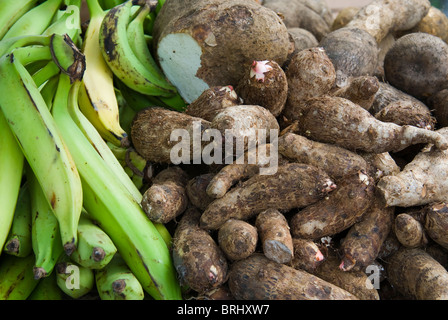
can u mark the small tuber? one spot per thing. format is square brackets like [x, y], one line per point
[275, 237]
[199, 261]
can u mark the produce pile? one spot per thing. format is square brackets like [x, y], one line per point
[212, 149]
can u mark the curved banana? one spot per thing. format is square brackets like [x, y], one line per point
[97, 100]
[11, 168]
[19, 238]
[11, 11]
[16, 280]
[47, 289]
[138, 43]
[74, 280]
[95, 248]
[35, 21]
[121, 59]
[117, 282]
[32, 124]
[106, 199]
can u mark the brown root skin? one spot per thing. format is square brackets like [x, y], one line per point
[259, 278]
[335, 213]
[381, 17]
[393, 105]
[196, 189]
[275, 237]
[416, 275]
[198, 260]
[422, 181]
[307, 255]
[360, 90]
[435, 23]
[417, 64]
[212, 101]
[300, 14]
[341, 122]
[409, 231]
[436, 223]
[334, 160]
[439, 105]
[310, 73]
[355, 282]
[243, 168]
[407, 113]
[166, 198]
[264, 83]
[362, 244]
[238, 239]
[242, 122]
[292, 186]
[381, 164]
[353, 52]
[151, 132]
[227, 34]
[302, 39]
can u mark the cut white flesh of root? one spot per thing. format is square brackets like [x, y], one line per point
[180, 58]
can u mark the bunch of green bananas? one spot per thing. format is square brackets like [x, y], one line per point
[71, 220]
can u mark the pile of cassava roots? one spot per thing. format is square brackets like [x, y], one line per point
[353, 107]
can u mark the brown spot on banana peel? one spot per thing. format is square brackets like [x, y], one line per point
[69, 247]
[76, 70]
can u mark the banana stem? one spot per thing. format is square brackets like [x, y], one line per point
[94, 8]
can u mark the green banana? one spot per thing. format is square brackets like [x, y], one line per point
[16, 277]
[138, 43]
[35, 21]
[12, 161]
[106, 200]
[121, 59]
[95, 248]
[68, 23]
[45, 234]
[19, 239]
[11, 11]
[73, 279]
[117, 282]
[97, 95]
[32, 124]
[11, 168]
[8, 45]
[48, 90]
[45, 73]
[47, 289]
[137, 101]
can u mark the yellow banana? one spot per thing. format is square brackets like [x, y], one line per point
[97, 98]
